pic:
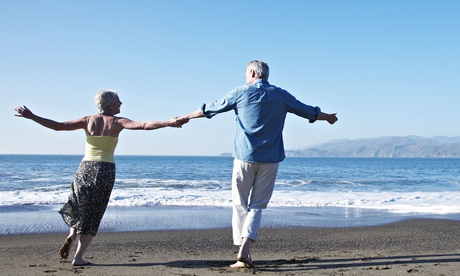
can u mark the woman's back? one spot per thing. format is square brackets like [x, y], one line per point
[102, 125]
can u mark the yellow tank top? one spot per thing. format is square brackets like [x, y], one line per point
[100, 148]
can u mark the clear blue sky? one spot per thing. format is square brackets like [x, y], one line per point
[389, 68]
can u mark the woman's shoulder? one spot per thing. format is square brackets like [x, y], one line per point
[92, 117]
[121, 119]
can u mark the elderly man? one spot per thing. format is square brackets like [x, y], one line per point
[260, 110]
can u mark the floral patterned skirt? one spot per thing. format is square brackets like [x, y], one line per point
[90, 194]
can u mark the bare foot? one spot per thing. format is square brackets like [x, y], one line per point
[244, 257]
[246, 260]
[240, 264]
[83, 263]
[65, 248]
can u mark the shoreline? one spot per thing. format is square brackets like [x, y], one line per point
[33, 219]
[425, 246]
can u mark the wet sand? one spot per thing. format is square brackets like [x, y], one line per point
[419, 246]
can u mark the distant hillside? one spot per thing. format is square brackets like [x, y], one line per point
[386, 147]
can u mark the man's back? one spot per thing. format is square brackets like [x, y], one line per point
[260, 110]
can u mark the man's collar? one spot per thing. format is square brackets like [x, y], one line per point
[260, 80]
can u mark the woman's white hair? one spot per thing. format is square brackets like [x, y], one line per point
[260, 68]
[104, 98]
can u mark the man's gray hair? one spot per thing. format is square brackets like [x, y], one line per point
[103, 99]
[260, 68]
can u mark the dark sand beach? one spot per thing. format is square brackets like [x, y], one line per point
[416, 247]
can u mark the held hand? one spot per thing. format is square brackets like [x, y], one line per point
[178, 121]
[182, 120]
[23, 111]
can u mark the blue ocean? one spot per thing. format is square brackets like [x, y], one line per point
[194, 192]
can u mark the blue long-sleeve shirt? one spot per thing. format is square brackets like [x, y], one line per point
[260, 110]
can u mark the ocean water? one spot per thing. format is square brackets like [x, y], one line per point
[189, 192]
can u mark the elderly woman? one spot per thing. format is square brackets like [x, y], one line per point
[95, 177]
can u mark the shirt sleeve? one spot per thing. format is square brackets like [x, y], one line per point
[226, 103]
[300, 109]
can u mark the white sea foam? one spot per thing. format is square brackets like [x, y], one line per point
[399, 202]
[177, 192]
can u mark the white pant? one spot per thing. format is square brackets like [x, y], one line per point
[252, 188]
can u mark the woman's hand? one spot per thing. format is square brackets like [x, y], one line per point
[177, 121]
[23, 111]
